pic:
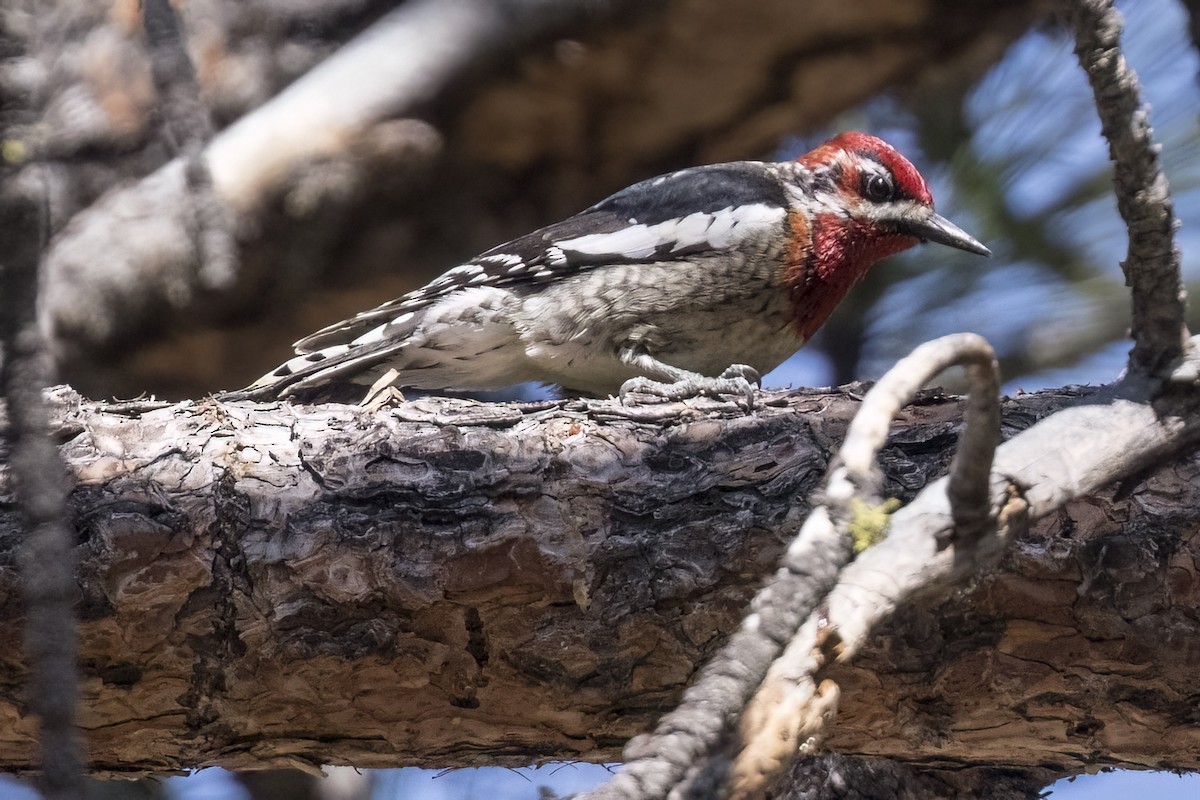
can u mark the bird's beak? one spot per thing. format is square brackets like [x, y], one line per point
[937, 228]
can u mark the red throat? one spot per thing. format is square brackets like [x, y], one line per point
[819, 274]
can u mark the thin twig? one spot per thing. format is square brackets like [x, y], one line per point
[792, 706]
[47, 556]
[682, 753]
[1143, 196]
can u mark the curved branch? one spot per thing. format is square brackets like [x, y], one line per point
[792, 706]
[981, 424]
[1069, 455]
[1143, 196]
[682, 753]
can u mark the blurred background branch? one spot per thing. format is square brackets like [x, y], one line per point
[38, 488]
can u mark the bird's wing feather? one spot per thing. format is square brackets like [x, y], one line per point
[660, 219]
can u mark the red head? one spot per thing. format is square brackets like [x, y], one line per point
[858, 146]
[857, 200]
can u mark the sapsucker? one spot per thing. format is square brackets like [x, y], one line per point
[698, 281]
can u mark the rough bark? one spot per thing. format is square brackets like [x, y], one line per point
[453, 583]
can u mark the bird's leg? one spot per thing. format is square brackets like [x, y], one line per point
[737, 379]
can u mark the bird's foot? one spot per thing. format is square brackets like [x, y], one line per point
[738, 380]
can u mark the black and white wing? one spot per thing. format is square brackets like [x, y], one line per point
[671, 217]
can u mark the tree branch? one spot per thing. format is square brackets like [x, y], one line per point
[789, 709]
[455, 583]
[146, 229]
[46, 549]
[1143, 196]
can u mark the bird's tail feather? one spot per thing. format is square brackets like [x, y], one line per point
[358, 365]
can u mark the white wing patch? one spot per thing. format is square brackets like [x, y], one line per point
[459, 274]
[715, 230]
[502, 259]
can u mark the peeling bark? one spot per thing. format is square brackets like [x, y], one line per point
[450, 583]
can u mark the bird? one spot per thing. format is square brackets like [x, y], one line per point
[696, 282]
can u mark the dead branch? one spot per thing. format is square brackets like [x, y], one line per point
[455, 583]
[1069, 455]
[683, 754]
[1143, 195]
[791, 710]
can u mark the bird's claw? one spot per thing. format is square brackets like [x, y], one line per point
[744, 371]
[738, 380]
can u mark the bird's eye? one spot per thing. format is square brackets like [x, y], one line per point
[878, 188]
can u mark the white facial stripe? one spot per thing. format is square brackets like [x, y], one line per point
[715, 230]
[869, 166]
[896, 211]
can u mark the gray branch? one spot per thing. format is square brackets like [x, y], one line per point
[789, 711]
[145, 230]
[45, 542]
[683, 755]
[1143, 196]
[1070, 455]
